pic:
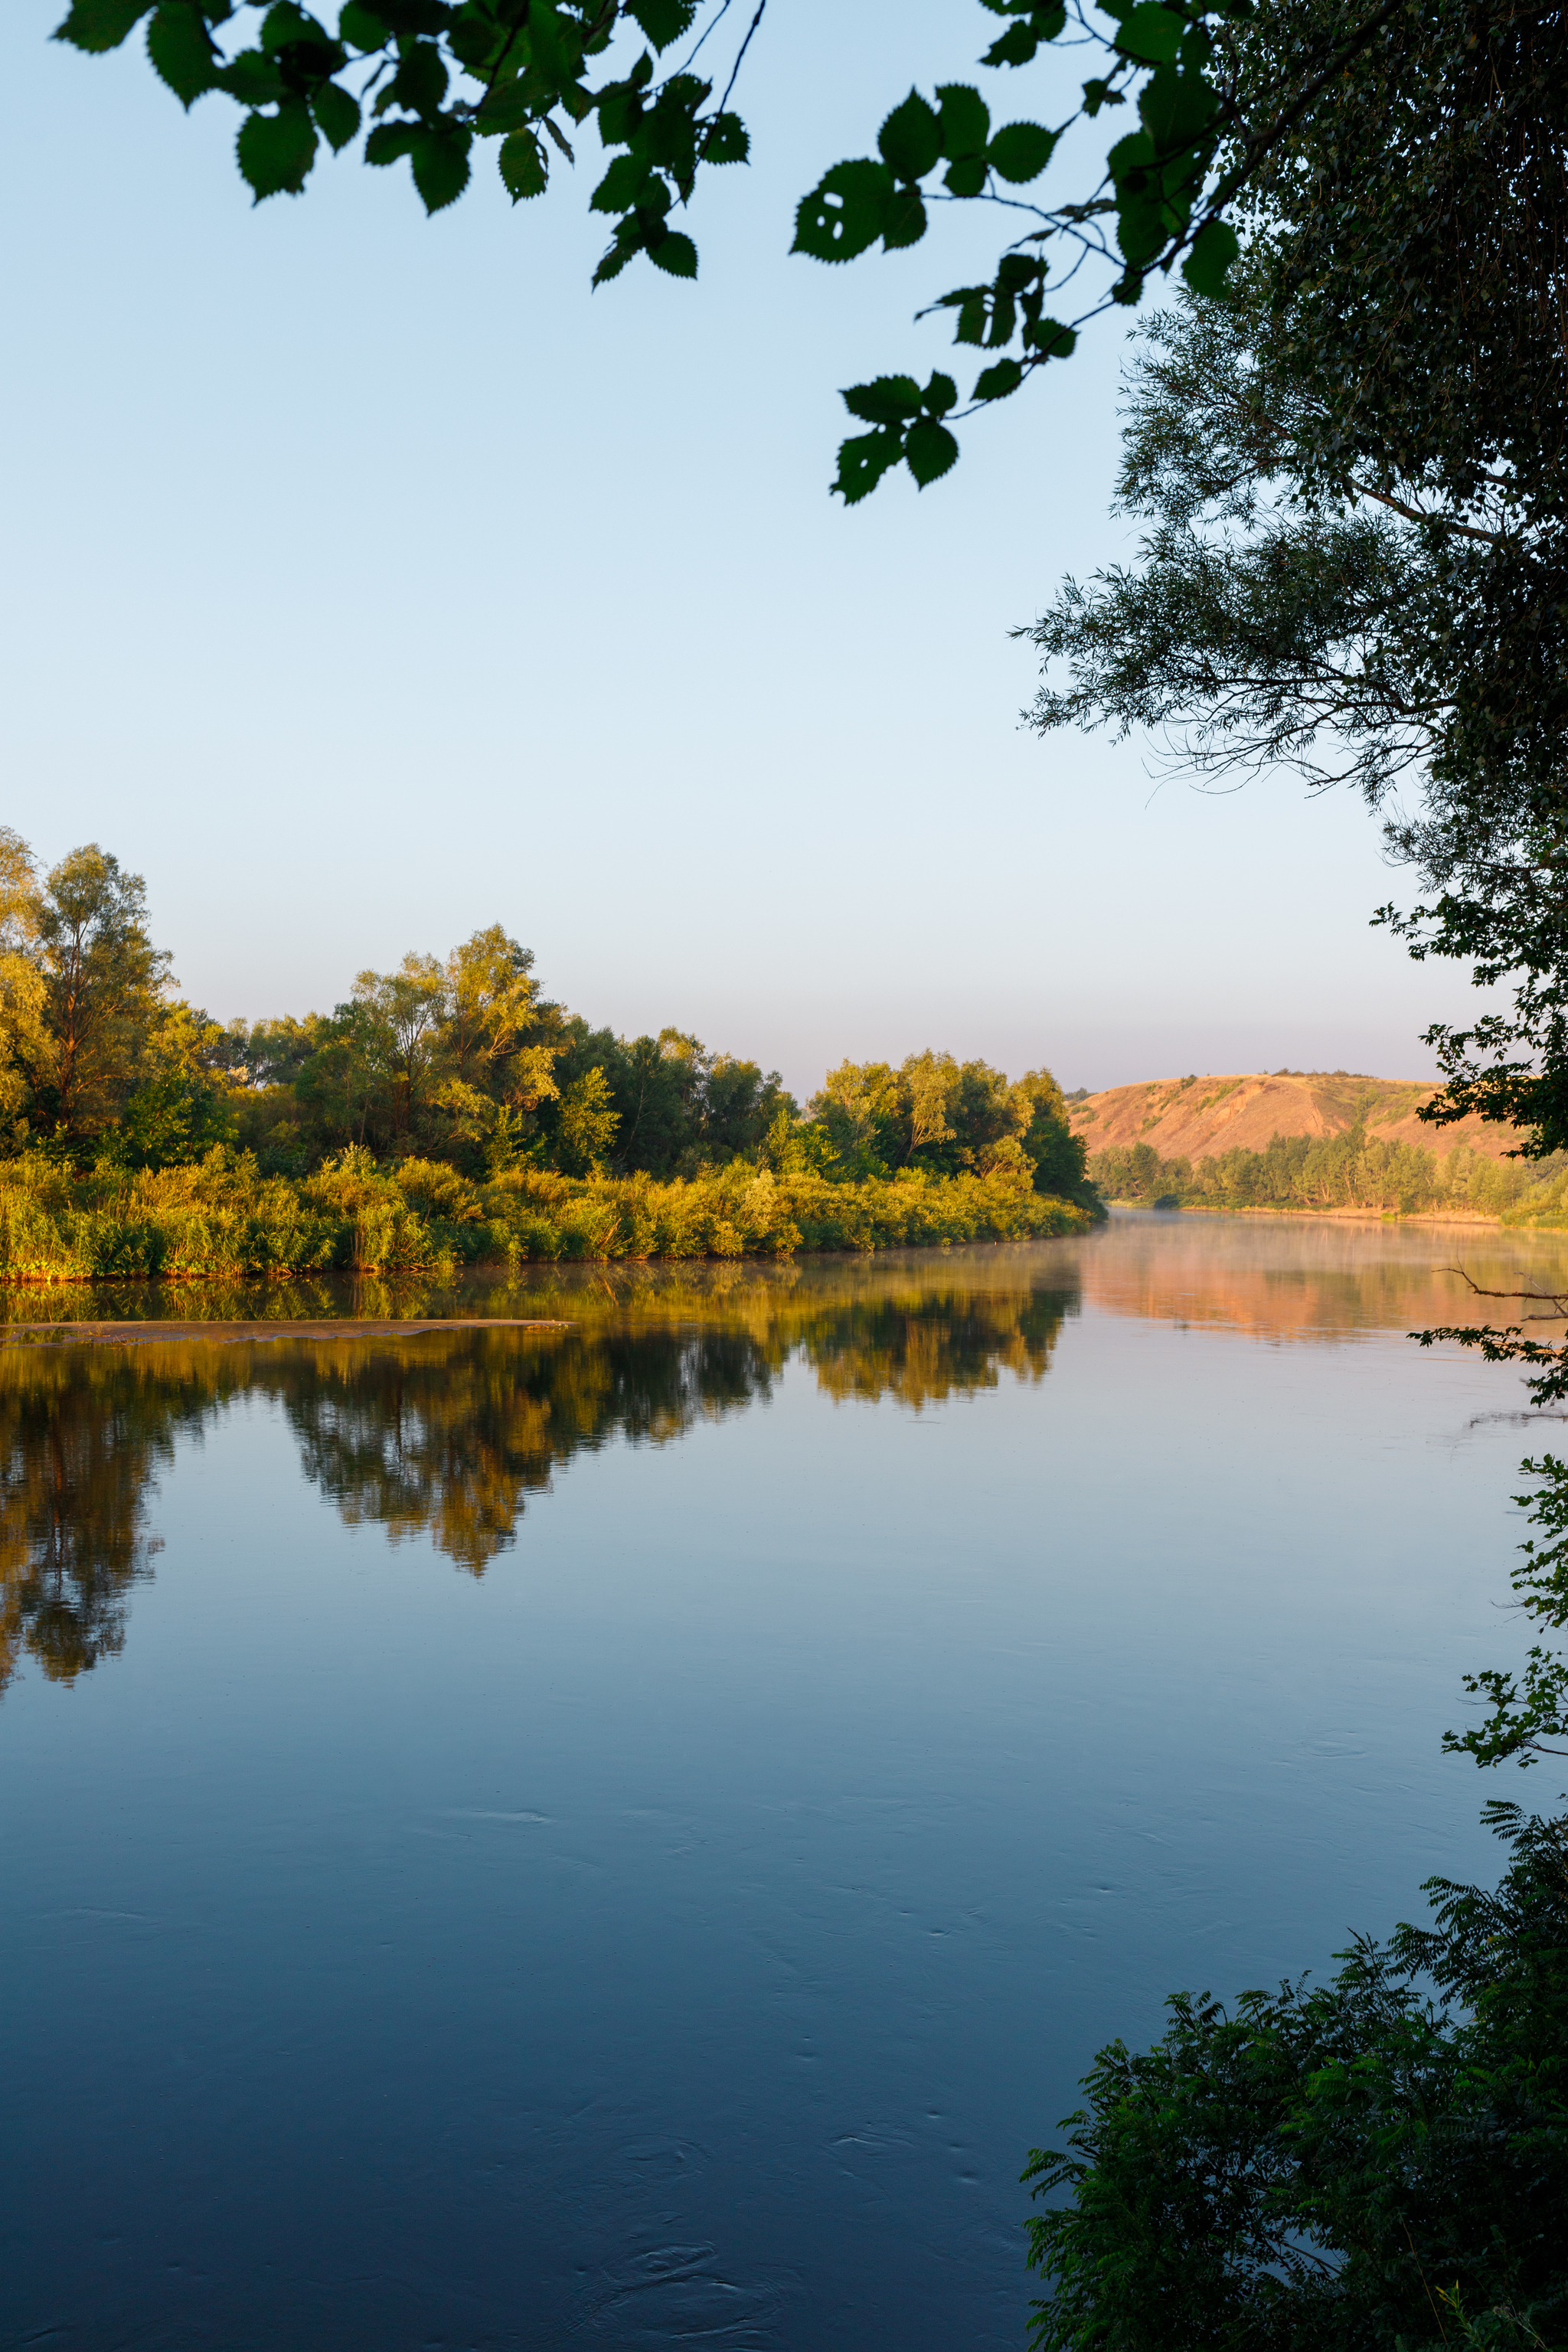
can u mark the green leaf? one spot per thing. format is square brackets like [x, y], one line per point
[181, 51]
[509, 106]
[965, 120]
[910, 139]
[1177, 108]
[664, 21]
[843, 213]
[440, 161]
[727, 141]
[903, 219]
[863, 461]
[1215, 248]
[675, 254]
[250, 77]
[96, 26]
[284, 24]
[618, 190]
[360, 28]
[475, 44]
[1021, 150]
[1133, 154]
[1015, 48]
[941, 394]
[420, 82]
[1052, 339]
[996, 383]
[1151, 34]
[390, 142]
[337, 115]
[276, 151]
[523, 167]
[966, 177]
[930, 450]
[887, 401]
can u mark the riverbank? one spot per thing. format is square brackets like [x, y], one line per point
[221, 1218]
[1553, 1220]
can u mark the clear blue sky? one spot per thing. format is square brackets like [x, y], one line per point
[367, 580]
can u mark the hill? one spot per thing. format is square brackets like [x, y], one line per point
[1198, 1117]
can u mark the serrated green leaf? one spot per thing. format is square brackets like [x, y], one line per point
[663, 21]
[250, 77]
[1151, 34]
[96, 26]
[903, 219]
[475, 42]
[507, 108]
[996, 383]
[1052, 339]
[930, 450]
[420, 82]
[967, 177]
[674, 254]
[181, 51]
[618, 190]
[727, 141]
[1020, 150]
[337, 115]
[1215, 248]
[965, 120]
[441, 166]
[360, 28]
[1133, 154]
[910, 137]
[941, 394]
[390, 142]
[1015, 48]
[524, 168]
[276, 151]
[888, 400]
[284, 24]
[863, 461]
[627, 243]
[843, 213]
[1177, 108]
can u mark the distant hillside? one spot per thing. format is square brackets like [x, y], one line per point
[1198, 1117]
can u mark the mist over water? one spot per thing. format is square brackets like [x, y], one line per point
[629, 1834]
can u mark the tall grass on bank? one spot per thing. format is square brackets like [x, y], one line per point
[221, 1217]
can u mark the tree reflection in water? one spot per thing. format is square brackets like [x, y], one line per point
[445, 1435]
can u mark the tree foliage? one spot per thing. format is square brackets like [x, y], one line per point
[1205, 108]
[1352, 478]
[1338, 2168]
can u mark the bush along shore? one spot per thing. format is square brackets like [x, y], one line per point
[222, 1216]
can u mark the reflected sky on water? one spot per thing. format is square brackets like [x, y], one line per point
[627, 1834]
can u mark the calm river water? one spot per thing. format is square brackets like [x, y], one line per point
[625, 1835]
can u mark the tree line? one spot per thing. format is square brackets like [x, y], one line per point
[460, 1061]
[1353, 1170]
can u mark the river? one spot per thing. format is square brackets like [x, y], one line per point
[627, 1833]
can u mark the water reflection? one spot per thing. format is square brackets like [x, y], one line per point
[443, 1435]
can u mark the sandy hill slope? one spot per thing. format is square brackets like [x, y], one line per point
[1198, 1117]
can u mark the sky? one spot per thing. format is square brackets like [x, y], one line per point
[367, 580]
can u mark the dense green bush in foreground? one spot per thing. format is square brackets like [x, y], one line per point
[221, 1216]
[1338, 2169]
